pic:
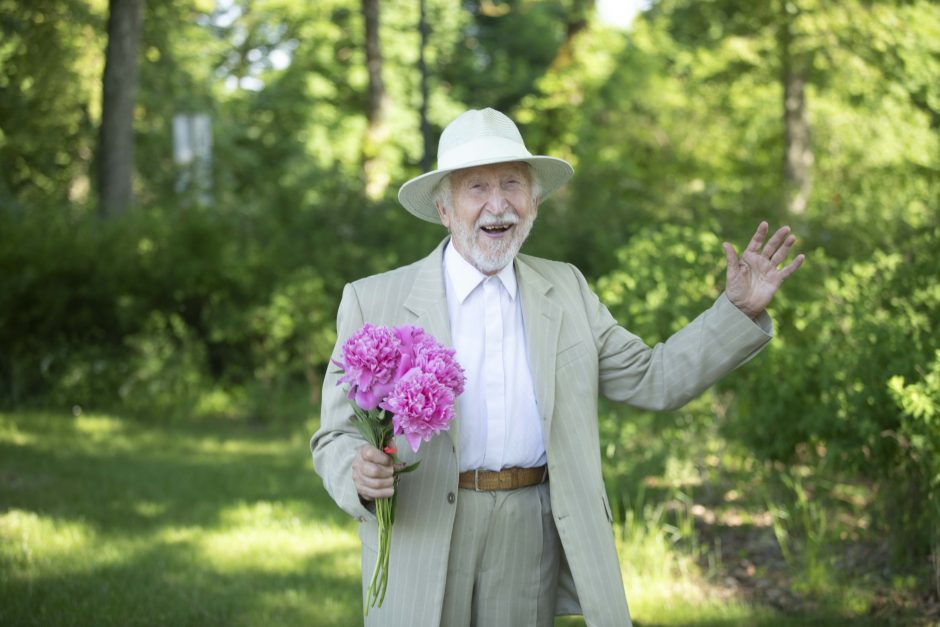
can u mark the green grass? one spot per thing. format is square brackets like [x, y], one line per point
[112, 522]
[107, 522]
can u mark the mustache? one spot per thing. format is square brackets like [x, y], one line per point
[507, 217]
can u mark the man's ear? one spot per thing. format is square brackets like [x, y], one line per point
[442, 214]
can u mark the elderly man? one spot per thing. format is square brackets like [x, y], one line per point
[506, 521]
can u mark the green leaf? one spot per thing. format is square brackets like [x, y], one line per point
[409, 468]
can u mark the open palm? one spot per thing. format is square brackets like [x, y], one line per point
[754, 277]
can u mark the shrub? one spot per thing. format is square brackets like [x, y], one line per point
[829, 387]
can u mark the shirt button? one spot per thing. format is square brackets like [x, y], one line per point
[451, 498]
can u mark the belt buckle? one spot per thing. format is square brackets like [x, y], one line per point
[476, 480]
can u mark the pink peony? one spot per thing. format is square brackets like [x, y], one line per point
[371, 358]
[421, 350]
[439, 361]
[411, 340]
[422, 407]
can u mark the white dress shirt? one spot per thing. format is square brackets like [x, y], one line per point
[499, 418]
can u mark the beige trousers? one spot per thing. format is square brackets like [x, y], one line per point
[504, 560]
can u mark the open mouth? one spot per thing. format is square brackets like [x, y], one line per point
[496, 229]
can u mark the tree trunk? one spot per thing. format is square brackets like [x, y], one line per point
[116, 141]
[798, 150]
[374, 170]
[423, 69]
[576, 22]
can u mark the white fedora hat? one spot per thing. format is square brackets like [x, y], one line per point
[479, 137]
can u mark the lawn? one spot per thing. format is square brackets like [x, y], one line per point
[106, 521]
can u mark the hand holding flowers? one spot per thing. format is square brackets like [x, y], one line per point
[401, 382]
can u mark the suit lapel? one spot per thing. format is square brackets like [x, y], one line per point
[542, 319]
[428, 303]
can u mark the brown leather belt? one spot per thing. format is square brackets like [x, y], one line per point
[505, 479]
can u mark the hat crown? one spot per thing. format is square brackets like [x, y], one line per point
[480, 135]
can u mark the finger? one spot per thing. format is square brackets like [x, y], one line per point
[730, 255]
[373, 482]
[758, 239]
[774, 243]
[374, 455]
[783, 251]
[372, 487]
[370, 494]
[792, 266]
[370, 471]
[376, 471]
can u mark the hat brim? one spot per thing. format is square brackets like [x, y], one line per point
[417, 194]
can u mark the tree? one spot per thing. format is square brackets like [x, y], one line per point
[49, 91]
[374, 172]
[798, 150]
[506, 47]
[119, 91]
[423, 70]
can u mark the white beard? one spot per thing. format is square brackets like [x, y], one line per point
[490, 256]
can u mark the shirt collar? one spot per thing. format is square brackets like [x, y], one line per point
[465, 278]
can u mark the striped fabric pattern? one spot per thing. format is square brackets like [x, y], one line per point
[577, 351]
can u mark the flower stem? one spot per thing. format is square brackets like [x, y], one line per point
[384, 513]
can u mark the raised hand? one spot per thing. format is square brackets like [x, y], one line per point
[753, 278]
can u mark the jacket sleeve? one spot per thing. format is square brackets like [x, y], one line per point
[671, 373]
[334, 444]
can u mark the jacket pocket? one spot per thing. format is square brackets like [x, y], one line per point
[570, 354]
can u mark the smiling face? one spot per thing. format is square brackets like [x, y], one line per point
[489, 213]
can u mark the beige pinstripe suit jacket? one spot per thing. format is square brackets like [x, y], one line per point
[576, 350]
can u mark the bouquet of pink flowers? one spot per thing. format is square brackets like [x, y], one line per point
[401, 382]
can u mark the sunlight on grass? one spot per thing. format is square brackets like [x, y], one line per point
[270, 537]
[107, 521]
[30, 542]
[102, 433]
[98, 426]
[235, 446]
[673, 609]
[664, 586]
[9, 432]
[149, 509]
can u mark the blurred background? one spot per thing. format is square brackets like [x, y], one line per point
[186, 186]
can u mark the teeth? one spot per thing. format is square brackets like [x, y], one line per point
[493, 228]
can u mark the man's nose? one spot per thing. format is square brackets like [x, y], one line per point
[496, 201]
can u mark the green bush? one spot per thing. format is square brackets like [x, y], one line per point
[849, 383]
[919, 438]
[664, 278]
[830, 389]
[150, 310]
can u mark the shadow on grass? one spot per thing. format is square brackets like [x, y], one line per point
[105, 522]
[146, 478]
[168, 585]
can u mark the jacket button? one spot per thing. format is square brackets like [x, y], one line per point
[451, 498]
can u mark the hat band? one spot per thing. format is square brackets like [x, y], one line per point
[482, 150]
